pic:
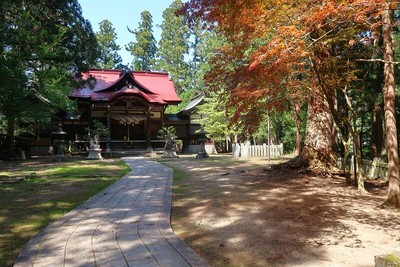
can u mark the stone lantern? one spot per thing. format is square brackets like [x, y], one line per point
[202, 154]
[58, 137]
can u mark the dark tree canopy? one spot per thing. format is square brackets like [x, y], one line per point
[42, 45]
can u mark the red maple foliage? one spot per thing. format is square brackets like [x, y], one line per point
[283, 50]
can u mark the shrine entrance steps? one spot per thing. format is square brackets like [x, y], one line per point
[130, 153]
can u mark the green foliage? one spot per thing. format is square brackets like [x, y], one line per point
[185, 96]
[42, 45]
[13, 89]
[282, 130]
[173, 46]
[144, 49]
[106, 37]
[97, 131]
[202, 47]
[215, 120]
[166, 131]
[285, 129]
[216, 117]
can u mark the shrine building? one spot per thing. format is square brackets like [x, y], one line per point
[130, 104]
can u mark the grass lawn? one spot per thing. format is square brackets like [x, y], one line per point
[49, 190]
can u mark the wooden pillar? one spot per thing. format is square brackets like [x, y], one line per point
[108, 128]
[148, 129]
[186, 143]
[108, 131]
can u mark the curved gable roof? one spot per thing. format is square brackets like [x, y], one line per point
[154, 87]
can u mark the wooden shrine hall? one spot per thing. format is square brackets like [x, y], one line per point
[130, 104]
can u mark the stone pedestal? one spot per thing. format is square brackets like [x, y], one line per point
[94, 152]
[202, 154]
[170, 154]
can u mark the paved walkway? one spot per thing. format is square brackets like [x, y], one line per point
[127, 224]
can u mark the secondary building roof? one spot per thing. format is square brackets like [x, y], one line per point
[193, 104]
[106, 85]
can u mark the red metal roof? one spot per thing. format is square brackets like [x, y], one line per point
[154, 87]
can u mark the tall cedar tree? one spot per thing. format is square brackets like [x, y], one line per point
[202, 50]
[198, 64]
[41, 44]
[174, 46]
[107, 37]
[144, 49]
[393, 198]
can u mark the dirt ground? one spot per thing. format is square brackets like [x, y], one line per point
[244, 213]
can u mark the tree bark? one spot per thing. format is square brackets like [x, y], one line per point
[376, 132]
[332, 105]
[10, 133]
[297, 108]
[317, 151]
[393, 198]
[360, 169]
[346, 156]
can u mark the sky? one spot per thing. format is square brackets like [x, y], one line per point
[123, 13]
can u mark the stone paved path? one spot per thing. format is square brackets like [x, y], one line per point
[127, 224]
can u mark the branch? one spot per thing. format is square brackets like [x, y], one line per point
[378, 60]
[319, 38]
[313, 41]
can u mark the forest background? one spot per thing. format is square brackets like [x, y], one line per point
[323, 72]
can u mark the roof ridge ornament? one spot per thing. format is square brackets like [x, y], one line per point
[125, 71]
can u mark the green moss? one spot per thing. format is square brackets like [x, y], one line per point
[392, 258]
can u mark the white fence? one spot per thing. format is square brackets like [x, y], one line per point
[253, 151]
[376, 169]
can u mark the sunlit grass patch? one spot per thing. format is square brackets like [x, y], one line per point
[180, 186]
[53, 190]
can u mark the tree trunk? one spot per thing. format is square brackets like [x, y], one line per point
[297, 108]
[331, 105]
[393, 198]
[346, 167]
[10, 133]
[317, 151]
[360, 169]
[376, 132]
